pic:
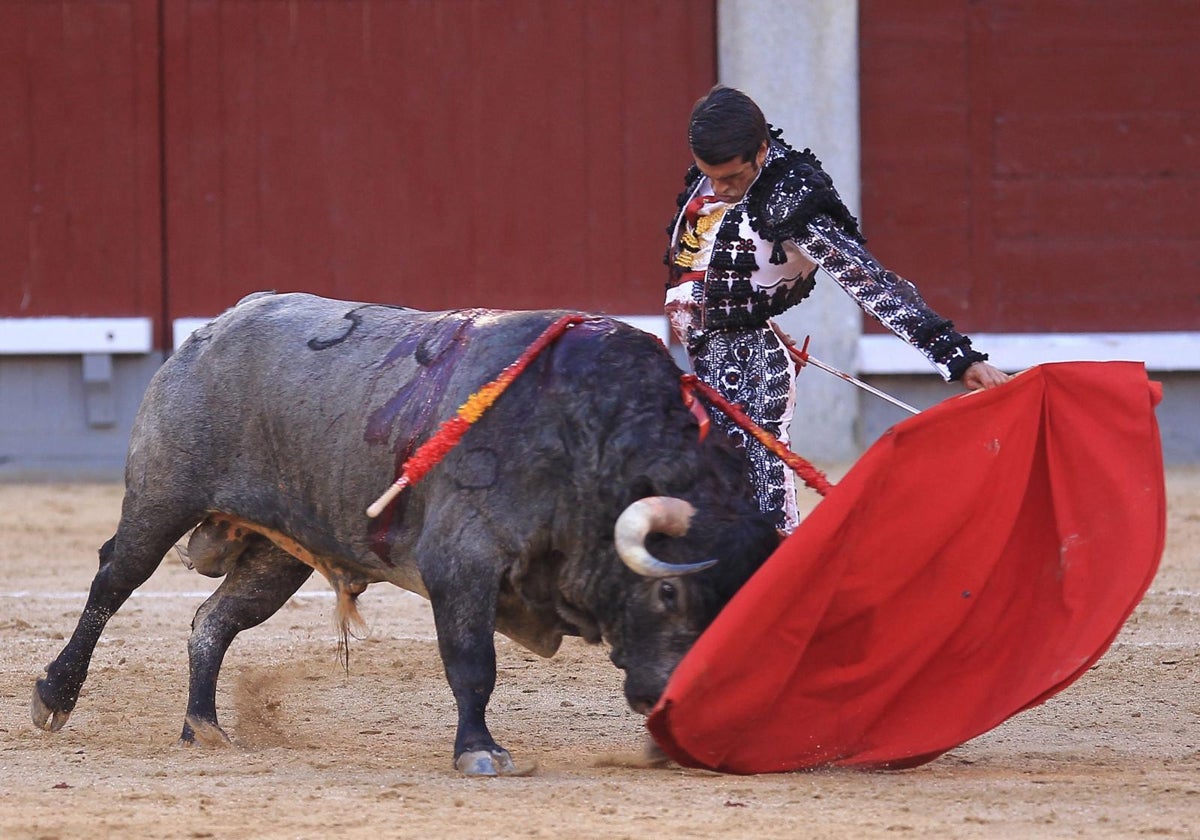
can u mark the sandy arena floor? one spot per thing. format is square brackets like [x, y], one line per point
[321, 754]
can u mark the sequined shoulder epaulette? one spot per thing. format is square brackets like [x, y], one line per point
[792, 190]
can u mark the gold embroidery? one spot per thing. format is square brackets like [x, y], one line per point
[694, 235]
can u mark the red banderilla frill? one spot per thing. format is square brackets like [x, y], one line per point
[811, 476]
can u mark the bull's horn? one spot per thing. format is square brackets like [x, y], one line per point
[664, 514]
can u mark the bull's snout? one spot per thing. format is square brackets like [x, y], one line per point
[642, 695]
[642, 687]
[641, 704]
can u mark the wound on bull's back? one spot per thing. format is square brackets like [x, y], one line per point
[409, 412]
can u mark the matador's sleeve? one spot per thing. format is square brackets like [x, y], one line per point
[889, 298]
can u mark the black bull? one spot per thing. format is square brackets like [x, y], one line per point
[273, 428]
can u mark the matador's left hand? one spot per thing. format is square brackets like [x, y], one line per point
[981, 376]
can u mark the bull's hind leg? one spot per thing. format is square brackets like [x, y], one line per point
[142, 540]
[260, 582]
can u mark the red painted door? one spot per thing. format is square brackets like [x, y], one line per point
[515, 154]
[80, 221]
[165, 157]
[1035, 166]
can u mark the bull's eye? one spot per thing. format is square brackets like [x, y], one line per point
[668, 594]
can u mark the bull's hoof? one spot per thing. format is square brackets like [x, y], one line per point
[654, 755]
[202, 733]
[486, 763]
[44, 717]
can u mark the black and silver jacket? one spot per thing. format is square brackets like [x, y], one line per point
[769, 245]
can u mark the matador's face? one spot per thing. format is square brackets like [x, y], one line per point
[732, 178]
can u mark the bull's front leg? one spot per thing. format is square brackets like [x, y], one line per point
[464, 611]
[261, 582]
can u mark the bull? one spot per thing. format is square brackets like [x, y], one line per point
[584, 503]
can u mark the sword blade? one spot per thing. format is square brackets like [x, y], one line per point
[812, 360]
[803, 357]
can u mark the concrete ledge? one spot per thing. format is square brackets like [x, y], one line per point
[1161, 351]
[74, 336]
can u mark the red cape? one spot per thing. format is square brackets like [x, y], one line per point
[978, 559]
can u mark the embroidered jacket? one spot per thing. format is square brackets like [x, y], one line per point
[767, 249]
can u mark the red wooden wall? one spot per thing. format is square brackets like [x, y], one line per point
[1035, 166]
[436, 153]
[80, 221]
[1032, 166]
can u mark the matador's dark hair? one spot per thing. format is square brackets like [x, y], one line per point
[726, 124]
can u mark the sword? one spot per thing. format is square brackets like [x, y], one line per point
[803, 357]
